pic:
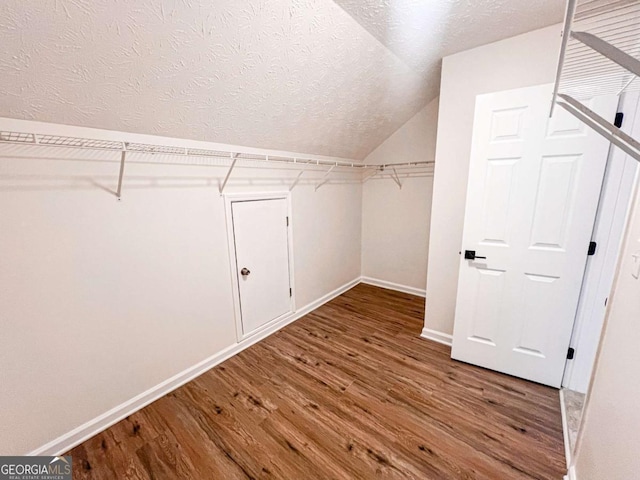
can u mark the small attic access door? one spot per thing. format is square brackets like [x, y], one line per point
[534, 185]
[260, 260]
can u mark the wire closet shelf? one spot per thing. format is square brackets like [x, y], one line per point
[390, 169]
[599, 56]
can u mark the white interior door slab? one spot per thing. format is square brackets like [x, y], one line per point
[533, 191]
[262, 260]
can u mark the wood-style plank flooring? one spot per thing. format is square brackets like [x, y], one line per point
[348, 391]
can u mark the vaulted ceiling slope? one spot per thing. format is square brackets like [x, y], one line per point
[313, 76]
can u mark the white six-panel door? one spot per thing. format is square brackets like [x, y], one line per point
[533, 190]
[260, 232]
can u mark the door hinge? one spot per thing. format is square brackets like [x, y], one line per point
[287, 221]
[592, 248]
[290, 292]
[571, 353]
[618, 121]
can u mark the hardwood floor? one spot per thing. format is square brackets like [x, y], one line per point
[348, 391]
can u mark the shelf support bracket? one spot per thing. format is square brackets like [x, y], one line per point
[123, 158]
[626, 85]
[396, 178]
[612, 133]
[226, 179]
[325, 178]
[295, 182]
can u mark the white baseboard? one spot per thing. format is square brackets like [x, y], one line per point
[87, 430]
[393, 286]
[436, 336]
[565, 428]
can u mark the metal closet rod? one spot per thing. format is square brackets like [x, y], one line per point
[612, 133]
[156, 149]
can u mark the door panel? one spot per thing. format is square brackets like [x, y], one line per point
[261, 245]
[501, 174]
[555, 196]
[534, 185]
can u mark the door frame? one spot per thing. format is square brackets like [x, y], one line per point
[614, 208]
[229, 199]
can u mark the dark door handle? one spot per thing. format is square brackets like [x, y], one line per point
[471, 255]
[245, 271]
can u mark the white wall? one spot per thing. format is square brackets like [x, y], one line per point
[609, 441]
[101, 300]
[521, 61]
[395, 222]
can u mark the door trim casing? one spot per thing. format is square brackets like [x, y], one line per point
[229, 199]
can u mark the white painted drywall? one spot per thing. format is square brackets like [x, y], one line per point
[609, 440]
[521, 61]
[101, 300]
[395, 222]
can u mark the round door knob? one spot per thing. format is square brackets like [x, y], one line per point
[245, 271]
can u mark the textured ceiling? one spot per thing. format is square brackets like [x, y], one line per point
[421, 32]
[297, 75]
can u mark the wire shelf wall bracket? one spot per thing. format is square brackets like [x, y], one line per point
[599, 56]
[127, 149]
[123, 159]
[612, 133]
[325, 178]
[396, 178]
[295, 182]
[234, 157]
